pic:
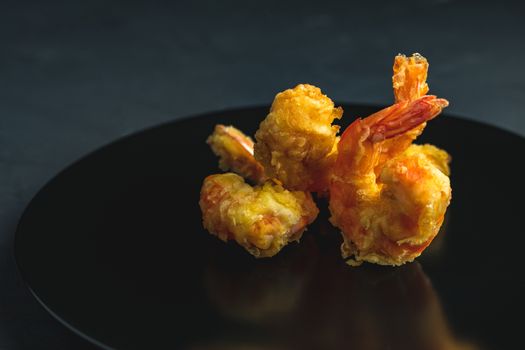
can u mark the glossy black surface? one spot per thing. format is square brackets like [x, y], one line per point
[114, 247]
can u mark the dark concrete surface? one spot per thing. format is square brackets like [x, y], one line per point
[77, 75]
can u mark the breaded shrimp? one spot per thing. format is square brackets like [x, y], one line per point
[235, 151]
[389, 208]
[296, 143]
[262, 219]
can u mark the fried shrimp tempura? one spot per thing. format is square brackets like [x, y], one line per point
[235, 152]
[297, 142]
[389, 210]
[262, 219]
[388, 196]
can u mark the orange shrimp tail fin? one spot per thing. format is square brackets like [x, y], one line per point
[403, 116]
[410, 76]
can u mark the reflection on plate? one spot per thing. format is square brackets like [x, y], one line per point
[114, 247]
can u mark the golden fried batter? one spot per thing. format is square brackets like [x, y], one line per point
[235, 151]
[296, 143]
[262, 219]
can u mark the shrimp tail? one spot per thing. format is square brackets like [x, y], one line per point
[359, 149]
[403, 116]
[410, 76]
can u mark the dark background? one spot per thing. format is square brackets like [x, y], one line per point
[77, 75]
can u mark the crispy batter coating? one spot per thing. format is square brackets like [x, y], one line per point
[438, 157]
[262, 219]
[296, 143]
[389, 208]
[235, 151]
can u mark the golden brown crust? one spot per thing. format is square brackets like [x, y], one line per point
[263, 219]
[296, 138]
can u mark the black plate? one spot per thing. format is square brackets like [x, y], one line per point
[114, 248]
